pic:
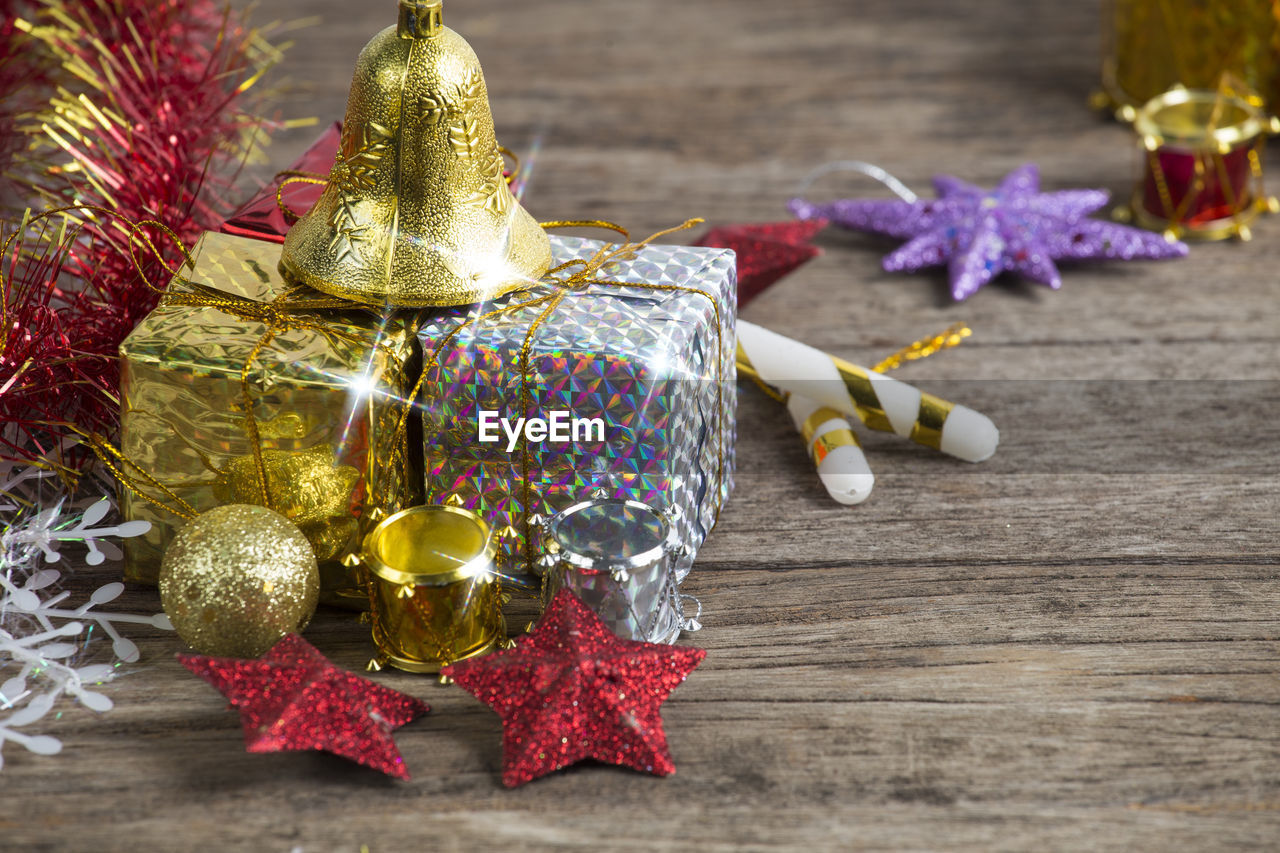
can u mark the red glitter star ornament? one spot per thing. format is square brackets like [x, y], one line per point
[766, 251]
[573, 690]
[292, 698]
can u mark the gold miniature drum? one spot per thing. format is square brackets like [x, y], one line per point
[1202, 165]
[434, 591]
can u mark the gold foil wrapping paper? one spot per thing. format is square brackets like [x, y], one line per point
[326, 404]
[1152, 45]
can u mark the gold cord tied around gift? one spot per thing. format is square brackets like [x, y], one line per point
[287, 312]
[605, 255]
[309, 487]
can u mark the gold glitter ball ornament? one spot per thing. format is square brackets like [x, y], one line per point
[416, 212]
[238, 578]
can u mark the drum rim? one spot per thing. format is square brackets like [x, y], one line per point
[481, 565]
[634, 563]
[1234, 135]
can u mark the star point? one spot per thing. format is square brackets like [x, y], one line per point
[766, 251]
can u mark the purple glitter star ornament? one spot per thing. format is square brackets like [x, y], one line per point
[979, 234]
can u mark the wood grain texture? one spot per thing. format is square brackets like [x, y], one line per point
[1073, 646]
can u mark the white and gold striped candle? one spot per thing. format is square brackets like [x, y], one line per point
[881, 403]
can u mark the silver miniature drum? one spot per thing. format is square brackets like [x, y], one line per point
[619, 557]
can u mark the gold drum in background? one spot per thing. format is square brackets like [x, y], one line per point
[434, 591]
[1201, 165]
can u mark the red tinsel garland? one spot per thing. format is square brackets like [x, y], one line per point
[148, 118]
[26, 80]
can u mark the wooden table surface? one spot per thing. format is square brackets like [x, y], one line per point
[1072, 646]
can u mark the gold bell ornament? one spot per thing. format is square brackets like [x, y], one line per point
[416, 212]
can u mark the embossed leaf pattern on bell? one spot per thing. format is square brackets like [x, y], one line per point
[416, 212]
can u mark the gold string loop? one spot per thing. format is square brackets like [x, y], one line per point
[294, 176]
[587, 223]
[139, 480]
[516, 165]
[950, 337]
[606, 254]
[135, 234]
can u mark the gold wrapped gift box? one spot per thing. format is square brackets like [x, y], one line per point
[327, 393]
[1150, 46]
